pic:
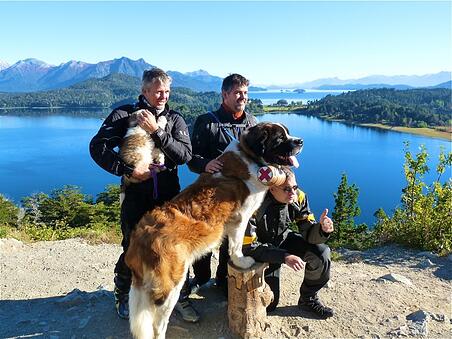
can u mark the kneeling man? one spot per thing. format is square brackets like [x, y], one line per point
[269, 238]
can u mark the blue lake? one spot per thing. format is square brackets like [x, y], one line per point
[38, 154]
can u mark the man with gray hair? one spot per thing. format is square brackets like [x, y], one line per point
[140, 197]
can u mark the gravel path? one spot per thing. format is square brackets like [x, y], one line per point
[63, 289]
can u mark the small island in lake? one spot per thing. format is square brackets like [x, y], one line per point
[299, 90]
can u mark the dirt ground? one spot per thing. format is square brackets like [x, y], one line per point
[63, 289]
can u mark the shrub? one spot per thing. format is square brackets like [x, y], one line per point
[423, 221]
[68, 213]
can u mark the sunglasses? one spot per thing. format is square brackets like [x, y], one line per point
[289, 189]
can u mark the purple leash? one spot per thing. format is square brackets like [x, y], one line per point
[160, 168]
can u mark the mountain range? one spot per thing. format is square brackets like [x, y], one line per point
[379, 81]
[31, 75]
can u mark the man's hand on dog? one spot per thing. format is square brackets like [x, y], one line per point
[326, 223]
[147, 121]
[214, 166]
[294, 262]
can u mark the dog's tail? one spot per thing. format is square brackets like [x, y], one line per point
[141, 313]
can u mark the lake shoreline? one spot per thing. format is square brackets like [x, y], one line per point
[423, 131]
[426, 131]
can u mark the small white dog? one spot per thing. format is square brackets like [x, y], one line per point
[138, 148]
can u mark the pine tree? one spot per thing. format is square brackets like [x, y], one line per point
[8, 213]
[346, 233]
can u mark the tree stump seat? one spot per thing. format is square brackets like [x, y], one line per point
[248, 297]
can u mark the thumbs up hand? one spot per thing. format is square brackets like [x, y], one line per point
[326, 223]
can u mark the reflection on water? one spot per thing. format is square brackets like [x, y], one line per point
[69, 112]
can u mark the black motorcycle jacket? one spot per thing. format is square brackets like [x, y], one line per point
[213, 133]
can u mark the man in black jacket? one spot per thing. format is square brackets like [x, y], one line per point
[212, 133]
[140, 197]
[269, 238]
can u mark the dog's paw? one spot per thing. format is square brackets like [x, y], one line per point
[243, 262]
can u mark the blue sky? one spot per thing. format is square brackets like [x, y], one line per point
[268, 42]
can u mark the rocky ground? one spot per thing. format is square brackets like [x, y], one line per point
[63, 289]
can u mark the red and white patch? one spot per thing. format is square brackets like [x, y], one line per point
[264, 174]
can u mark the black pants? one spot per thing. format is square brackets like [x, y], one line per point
[202, 271]
[137, 201]
[317, 269]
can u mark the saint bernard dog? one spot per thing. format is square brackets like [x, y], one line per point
[138, 149]
[169, 238]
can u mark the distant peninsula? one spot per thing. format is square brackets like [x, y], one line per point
[256, 89]
[425, 111]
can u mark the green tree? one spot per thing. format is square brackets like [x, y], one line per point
[110, 197]
[66, 207]
[346, 233]
[346, 207]
[110, 200]
[8, 213]
[282, 102]
[32, 206]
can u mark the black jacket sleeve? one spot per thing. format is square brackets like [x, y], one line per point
[200, 143]
[103, 144]
[176, 144]
[263, 252]
[307, 226]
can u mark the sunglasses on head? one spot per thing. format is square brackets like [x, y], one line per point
[289, 189]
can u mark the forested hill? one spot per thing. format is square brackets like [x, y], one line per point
[112, 91]
[411, 108]
[104, 92]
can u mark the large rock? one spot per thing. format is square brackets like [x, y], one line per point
[427, 254]
[73, 298]
[427, 263]
[394, 277]
[419, 315]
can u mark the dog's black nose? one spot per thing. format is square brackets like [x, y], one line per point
[298, 142]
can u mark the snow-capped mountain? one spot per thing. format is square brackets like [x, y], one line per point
[35, 75]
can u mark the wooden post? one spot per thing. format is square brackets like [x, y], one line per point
[248, 297]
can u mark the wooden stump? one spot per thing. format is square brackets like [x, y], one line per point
[248, 297]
